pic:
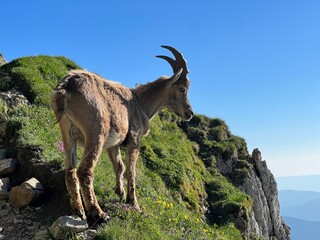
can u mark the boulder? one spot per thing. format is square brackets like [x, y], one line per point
[4, 188]
[26, 193]
[65, 226]
[7, 166]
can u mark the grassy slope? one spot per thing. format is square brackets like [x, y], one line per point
[175, 179]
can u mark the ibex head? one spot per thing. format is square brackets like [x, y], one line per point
[178, 85]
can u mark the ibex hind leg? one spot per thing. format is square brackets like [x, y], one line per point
[119, 168]
[71, 178]
[92, 152]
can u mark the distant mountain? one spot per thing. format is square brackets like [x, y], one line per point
[303, 230]
[291, 198]
[309, 211]
[299, 199]
[300, 183]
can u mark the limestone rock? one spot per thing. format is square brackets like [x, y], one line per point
[7, 166]
[265, 219]
[4, 188]
[66, 225]
[27, 192]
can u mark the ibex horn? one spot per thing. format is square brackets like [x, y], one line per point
[177, 64]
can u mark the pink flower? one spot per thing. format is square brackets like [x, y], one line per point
[60, 146]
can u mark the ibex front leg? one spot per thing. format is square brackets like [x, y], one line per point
[132, 153]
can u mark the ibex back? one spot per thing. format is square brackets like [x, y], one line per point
[99, 114]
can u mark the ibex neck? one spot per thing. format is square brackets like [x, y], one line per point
[151, 97]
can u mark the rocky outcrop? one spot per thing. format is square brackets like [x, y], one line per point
[2, 60]
[265, 219]
[13, 98]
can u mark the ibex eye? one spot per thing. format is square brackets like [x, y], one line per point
[182, 90]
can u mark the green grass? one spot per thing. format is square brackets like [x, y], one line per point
[35, 125]
[36, 76]
[163, 216]
[176, 177]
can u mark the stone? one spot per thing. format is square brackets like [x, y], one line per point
[26, 193]
[67, 225]
[4, 188]
[42, 235]
[33, 183]
[89, 234]
[2, 153]
[7, 166]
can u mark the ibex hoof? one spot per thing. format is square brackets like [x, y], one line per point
[97, 219]
[134, 204]
[80, 213]
[137, 208]
[121, 193]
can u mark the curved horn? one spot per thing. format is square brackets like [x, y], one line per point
[177, 64]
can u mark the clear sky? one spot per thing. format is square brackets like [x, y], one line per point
[255, 64]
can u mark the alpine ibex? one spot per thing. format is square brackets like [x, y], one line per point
[96, 114]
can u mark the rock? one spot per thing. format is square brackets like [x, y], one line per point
[7, 166]
[265, 219]
[33, 183]
[2, 60]
[88, 234]
[13, 98]
[26, 193]
[67, 225]
[2, 153]
[4, 188]
[42, 235]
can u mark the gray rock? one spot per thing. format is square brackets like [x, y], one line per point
[26, 193]
[4, 188]
[88, 234]
[67, 225]
[13, 98]
[42, 235]
[2, 153]
[7, 166]
[265, 219]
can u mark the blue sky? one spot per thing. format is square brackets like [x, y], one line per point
[255, 64]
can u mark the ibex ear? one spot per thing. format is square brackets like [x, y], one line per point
[175, 77]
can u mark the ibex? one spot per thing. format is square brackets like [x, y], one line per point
[99, 114]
